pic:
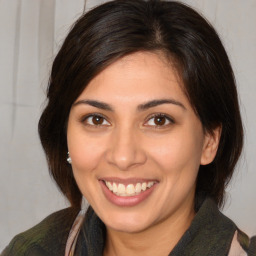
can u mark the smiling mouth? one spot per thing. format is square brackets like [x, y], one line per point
[123, 190]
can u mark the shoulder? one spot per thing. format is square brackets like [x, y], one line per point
[218, 232]
[46, 238]
[242, 244]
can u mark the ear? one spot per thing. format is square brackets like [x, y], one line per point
[210, 147]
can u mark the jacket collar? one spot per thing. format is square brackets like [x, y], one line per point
[210, 233]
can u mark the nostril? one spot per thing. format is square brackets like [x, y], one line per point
[124, 149]
[125, 158]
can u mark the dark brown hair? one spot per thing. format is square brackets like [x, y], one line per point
[117, 28]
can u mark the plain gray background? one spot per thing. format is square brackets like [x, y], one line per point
[31, 32]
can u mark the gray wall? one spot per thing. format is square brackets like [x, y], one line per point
[31, 31]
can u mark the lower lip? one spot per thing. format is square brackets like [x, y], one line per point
[126, 201]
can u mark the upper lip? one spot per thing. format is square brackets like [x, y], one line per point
[127, 181]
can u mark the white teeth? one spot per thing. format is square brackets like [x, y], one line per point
[121, 189]
[114, 187]
[129, 190]
[144, 186]
[138, 188]
[150, 184]
[109, 185]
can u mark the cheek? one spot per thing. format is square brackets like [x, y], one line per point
[85, 153]
[179, 150]
[85, 150]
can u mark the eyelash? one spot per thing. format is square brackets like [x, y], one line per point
[84, 120]
[161, 115]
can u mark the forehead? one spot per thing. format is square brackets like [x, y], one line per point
[136, 77]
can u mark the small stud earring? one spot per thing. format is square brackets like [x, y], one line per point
[69, 160]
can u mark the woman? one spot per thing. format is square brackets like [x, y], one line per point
[143, 121]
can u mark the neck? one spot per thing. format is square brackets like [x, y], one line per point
[158, 240]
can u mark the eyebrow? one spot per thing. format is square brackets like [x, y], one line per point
[155, 103]
[141, 107]
[95, 103]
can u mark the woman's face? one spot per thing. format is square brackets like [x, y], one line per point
[136, 144]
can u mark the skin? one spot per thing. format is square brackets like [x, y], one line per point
[129, 143]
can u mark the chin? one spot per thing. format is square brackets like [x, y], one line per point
[127, 227]
[128, 223]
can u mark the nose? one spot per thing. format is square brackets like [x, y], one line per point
[125, 150]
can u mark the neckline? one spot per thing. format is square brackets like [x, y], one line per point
[209, 227]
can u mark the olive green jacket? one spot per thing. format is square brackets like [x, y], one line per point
[210, 234]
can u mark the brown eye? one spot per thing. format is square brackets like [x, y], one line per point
[96, 120]
[159, 120]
